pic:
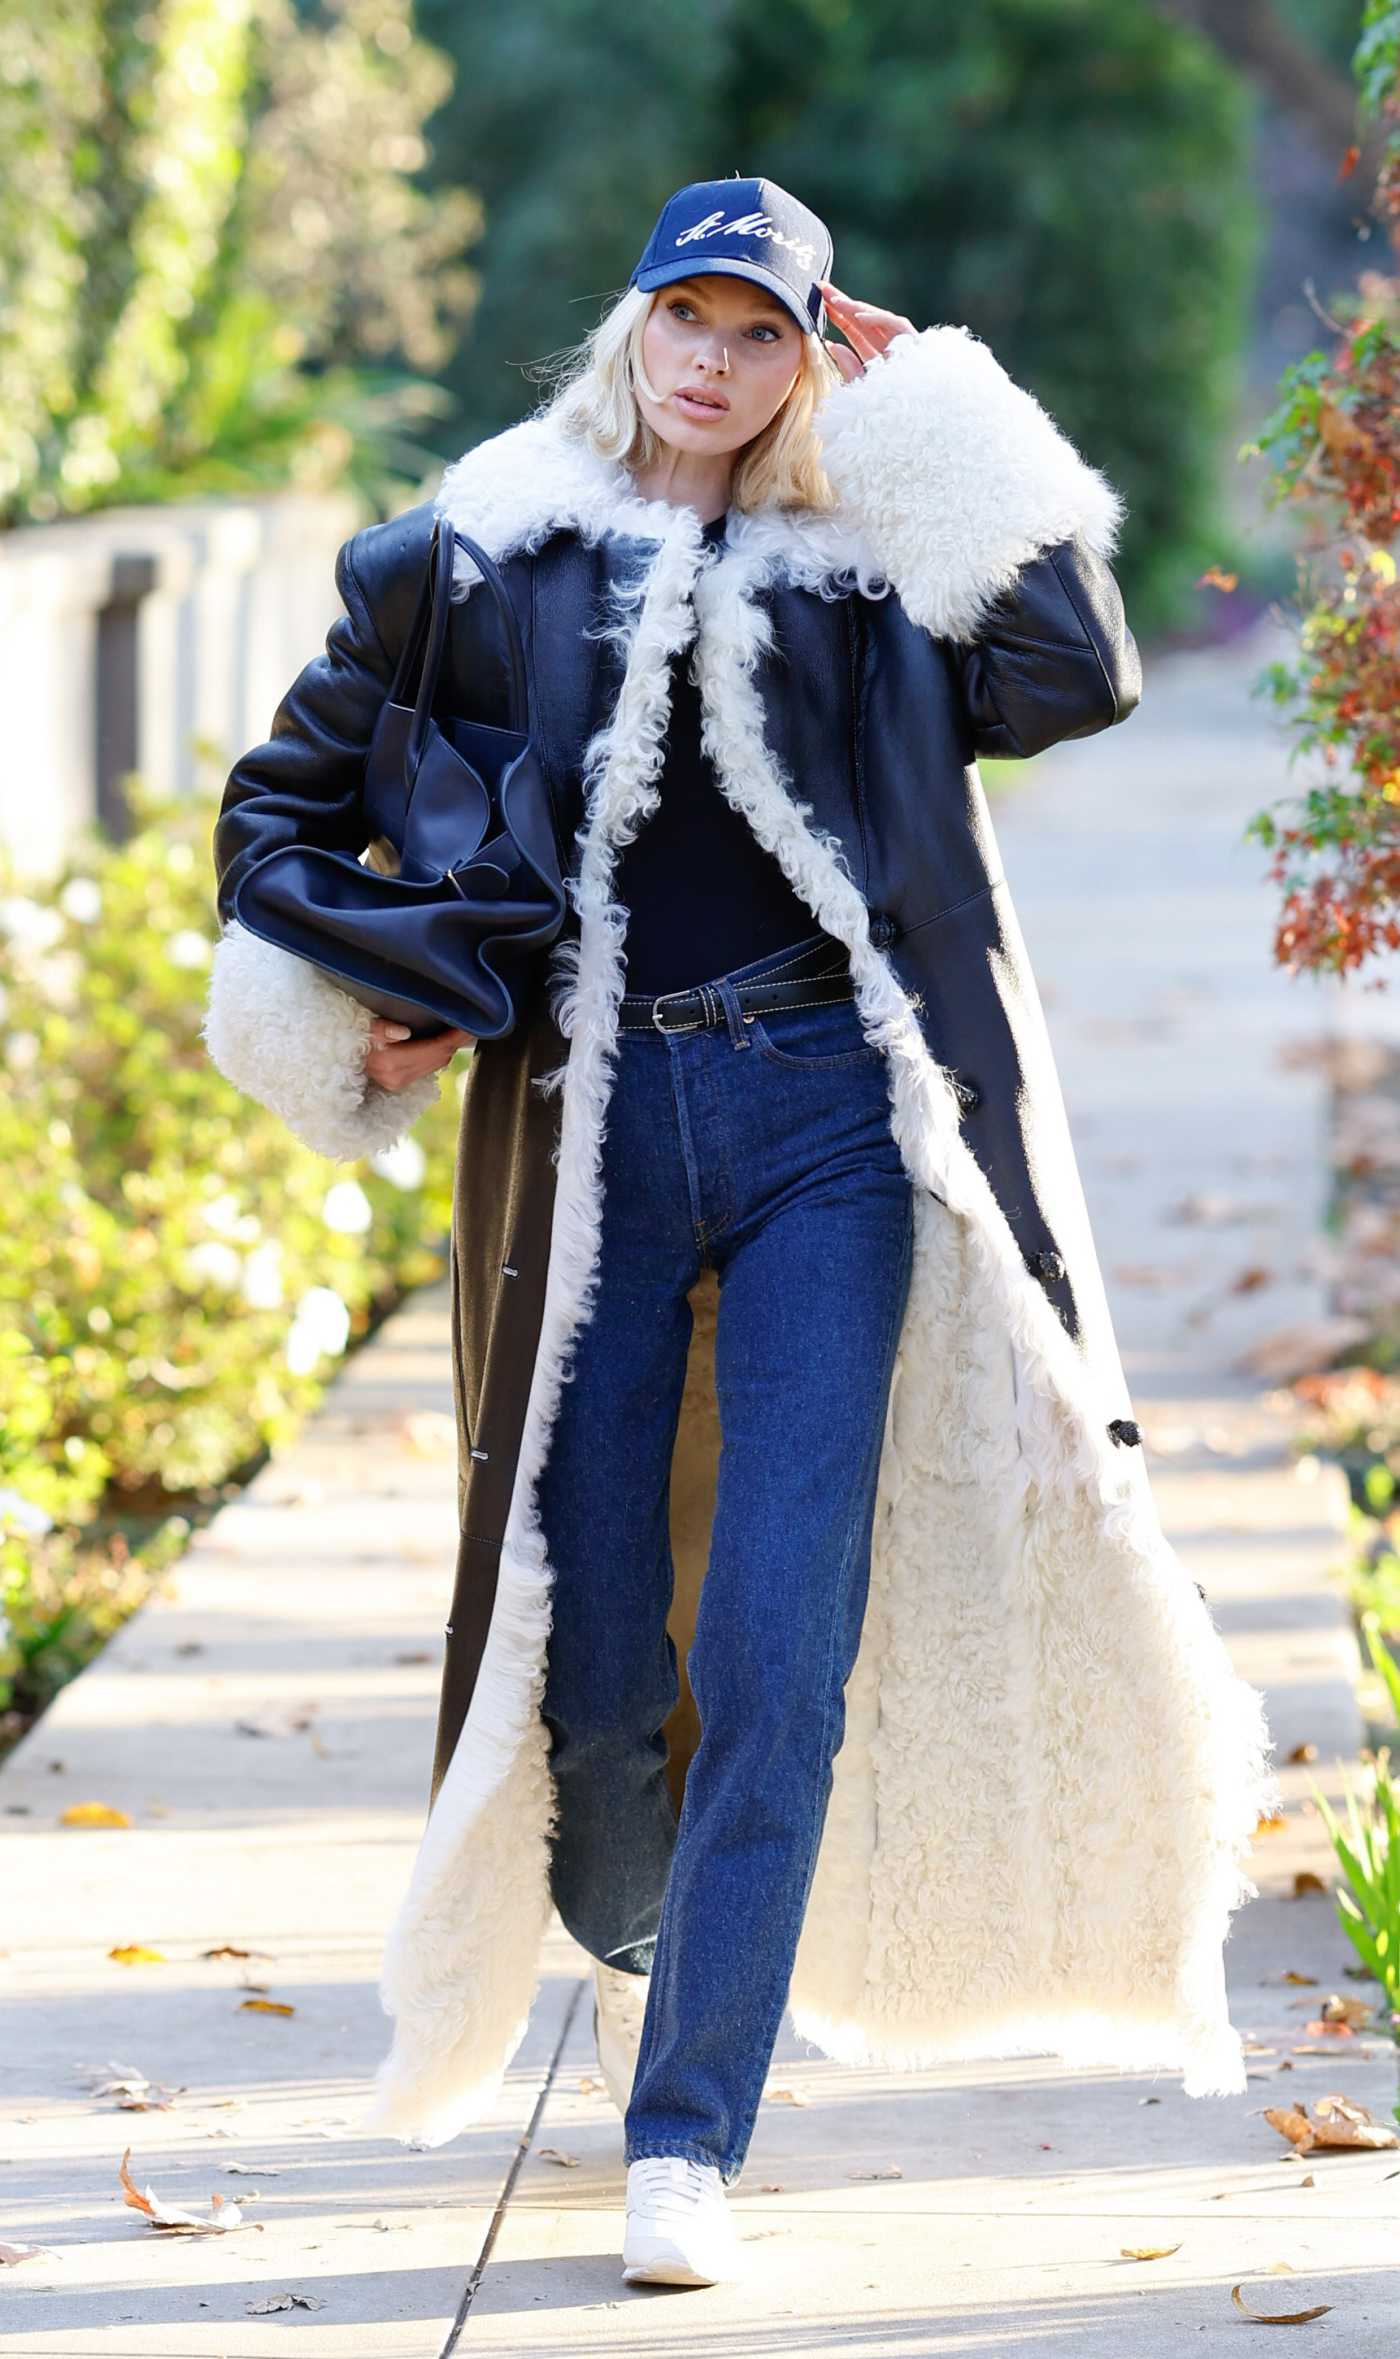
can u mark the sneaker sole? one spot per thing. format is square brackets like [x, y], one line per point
[664, 2272]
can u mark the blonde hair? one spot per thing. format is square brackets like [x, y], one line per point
[595, 399]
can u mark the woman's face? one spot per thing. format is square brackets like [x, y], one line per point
[726, 337]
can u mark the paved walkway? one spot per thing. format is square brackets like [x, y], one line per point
[267, 1726]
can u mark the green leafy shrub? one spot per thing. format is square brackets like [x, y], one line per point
[1333, 441]
[1367, 1845]
[179, 1276]
[214, 249]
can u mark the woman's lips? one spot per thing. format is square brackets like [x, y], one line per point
[698, 409]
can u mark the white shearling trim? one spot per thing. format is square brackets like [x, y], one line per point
[287, 1036]
[459, 1959]
[513, 490]
[957, 474]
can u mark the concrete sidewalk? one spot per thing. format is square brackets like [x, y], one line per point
[268, 1727]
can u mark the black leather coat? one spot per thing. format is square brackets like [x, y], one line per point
[878, 724]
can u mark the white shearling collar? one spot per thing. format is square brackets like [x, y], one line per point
[513, 490]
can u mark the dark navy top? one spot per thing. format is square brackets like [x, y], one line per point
[703, 895]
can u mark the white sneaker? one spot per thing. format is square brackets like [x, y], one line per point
[679, 2229]
[620, 2003]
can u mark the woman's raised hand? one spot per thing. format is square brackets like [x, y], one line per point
[394, 1057]
[866, 327]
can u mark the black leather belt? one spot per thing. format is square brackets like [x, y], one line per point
[700, 1005]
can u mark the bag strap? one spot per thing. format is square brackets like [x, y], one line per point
[433, 608]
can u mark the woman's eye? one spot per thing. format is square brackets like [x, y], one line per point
[764, 327]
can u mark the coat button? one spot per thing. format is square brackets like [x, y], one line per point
[1124, 1429]
[882, 929]
[1048, 1265]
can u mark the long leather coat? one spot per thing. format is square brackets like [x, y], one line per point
[853, 665]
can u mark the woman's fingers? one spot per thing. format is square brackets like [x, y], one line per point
[394, 1057]
[849, 363]
[866, 326]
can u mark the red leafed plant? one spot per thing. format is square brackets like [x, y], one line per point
[1335, 440]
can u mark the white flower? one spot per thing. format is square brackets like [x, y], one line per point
[222, 1215]
[216, 1261]
[262, 1278]
[29, 924]
[16, 1509]
[189, 949]
[180, 857]
[59, 975]
[22, 1048]
[403, 1165]
[347, 1208]
[321, 1325]
[81, 899]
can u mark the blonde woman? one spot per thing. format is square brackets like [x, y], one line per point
[781, 1350]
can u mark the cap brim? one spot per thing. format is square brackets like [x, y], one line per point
[660, 274]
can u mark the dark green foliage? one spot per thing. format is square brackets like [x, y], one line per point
[1071, 181]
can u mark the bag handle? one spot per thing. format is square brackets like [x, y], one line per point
[434, 603]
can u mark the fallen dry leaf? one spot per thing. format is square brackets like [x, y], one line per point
[1147, 2252]
[1337, 2125]
[587, 2085]
[135, 1953]
[1304, 1349]
[1310, 1980]
[891, 2171]
[256, 2170]
[133, 2093]
[1249, 1279]
[93, 1814]
[1338, 2008]
[1321, 2025]
[284, 2301]
[230, 1949]
[221, 2216]
[1303, 1752]
[568, 2162]
[1277, 2317]
[265, 2007]
[430, 1433]
[12, 2254]
[1305, 1882]
[786, 2096]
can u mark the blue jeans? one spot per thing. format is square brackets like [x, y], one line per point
[762, 1147]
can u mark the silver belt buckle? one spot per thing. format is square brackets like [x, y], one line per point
[698, 1024]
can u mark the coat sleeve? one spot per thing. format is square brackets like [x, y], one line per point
[994, 533]
[275, 1026]
[1054, 659]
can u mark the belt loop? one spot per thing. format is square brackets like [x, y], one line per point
[729, 1000]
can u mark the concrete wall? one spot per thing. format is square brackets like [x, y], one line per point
[154, 639]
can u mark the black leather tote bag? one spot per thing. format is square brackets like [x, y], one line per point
[478, 891]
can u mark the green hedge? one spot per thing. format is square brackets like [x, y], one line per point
[179, 1276]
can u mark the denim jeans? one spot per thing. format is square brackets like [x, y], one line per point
[763, 1148]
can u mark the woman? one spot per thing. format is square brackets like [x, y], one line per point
[974, 1774]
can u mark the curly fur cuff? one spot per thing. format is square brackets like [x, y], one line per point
[958, 475]
[287, 1036]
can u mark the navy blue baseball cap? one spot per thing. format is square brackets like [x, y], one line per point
[743, 229]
